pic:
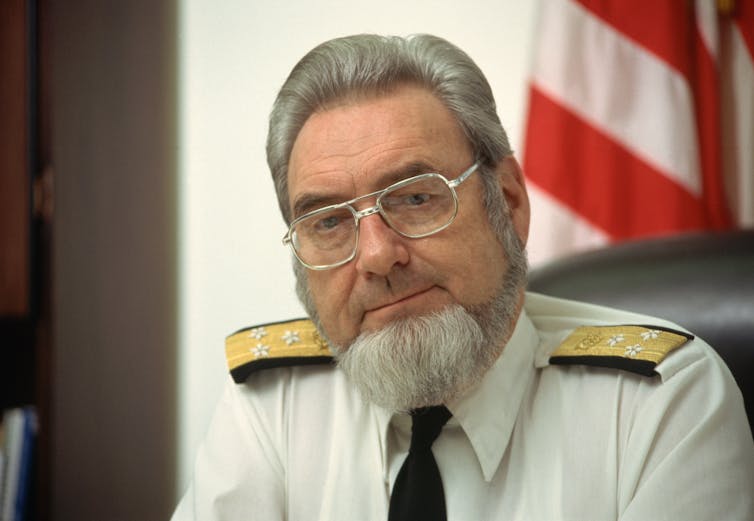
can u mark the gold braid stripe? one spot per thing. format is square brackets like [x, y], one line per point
[632, 342]
[293, 339]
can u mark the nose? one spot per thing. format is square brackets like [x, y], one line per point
[380, 247]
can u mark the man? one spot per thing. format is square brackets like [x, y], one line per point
[408, 218]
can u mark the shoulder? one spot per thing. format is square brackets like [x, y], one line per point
[283, 380]
[289, 343]
[596, 357]
[280, 371]
[577, 333]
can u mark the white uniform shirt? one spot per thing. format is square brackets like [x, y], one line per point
[532, 442]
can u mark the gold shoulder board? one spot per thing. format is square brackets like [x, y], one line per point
[637, 349]
[295, 342]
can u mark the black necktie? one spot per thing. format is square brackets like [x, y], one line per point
[417, 492]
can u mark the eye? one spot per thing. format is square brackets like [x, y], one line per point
[327, 223]
[406, 200]
[416, 199]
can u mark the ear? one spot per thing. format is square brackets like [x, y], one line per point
[512, 181]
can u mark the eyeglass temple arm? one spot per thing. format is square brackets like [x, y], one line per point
[465, 175]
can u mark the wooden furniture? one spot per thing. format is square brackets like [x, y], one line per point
[25, 217]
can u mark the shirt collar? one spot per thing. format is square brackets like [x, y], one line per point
[488, 413]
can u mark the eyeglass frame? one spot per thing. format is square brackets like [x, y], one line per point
[452, 184]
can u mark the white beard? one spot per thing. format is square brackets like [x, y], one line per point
[431, 359]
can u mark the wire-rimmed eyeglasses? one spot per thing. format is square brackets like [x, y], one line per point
[415, 207]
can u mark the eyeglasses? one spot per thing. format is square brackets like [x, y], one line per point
[415, 207]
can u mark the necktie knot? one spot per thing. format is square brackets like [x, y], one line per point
[427, 423]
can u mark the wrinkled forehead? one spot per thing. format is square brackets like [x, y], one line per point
[355, 97]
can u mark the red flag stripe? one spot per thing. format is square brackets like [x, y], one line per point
[708, 114]
[623, 195]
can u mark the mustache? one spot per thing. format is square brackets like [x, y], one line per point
[398, 285]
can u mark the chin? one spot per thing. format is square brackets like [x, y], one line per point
[420, 360]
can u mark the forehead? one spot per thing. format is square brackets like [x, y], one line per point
[354, 147]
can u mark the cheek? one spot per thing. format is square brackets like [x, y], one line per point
[322, 291]
[474, 262]
[330, 291]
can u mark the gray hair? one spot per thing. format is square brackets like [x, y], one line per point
[356, 66]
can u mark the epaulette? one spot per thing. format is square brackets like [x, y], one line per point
[280, 344]
[637, 349]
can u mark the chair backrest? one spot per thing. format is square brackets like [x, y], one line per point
[704, 282]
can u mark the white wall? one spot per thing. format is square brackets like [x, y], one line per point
[234, 55]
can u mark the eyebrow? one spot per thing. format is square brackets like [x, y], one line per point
[310, 201]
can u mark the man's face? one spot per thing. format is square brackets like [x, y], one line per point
[357, 148]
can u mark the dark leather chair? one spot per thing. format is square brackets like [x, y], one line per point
[702, 281]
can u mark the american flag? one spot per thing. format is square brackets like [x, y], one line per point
[640, 121]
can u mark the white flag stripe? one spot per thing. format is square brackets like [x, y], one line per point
[738, 129]
[558, 229]
[706, 21]
[620, 88]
